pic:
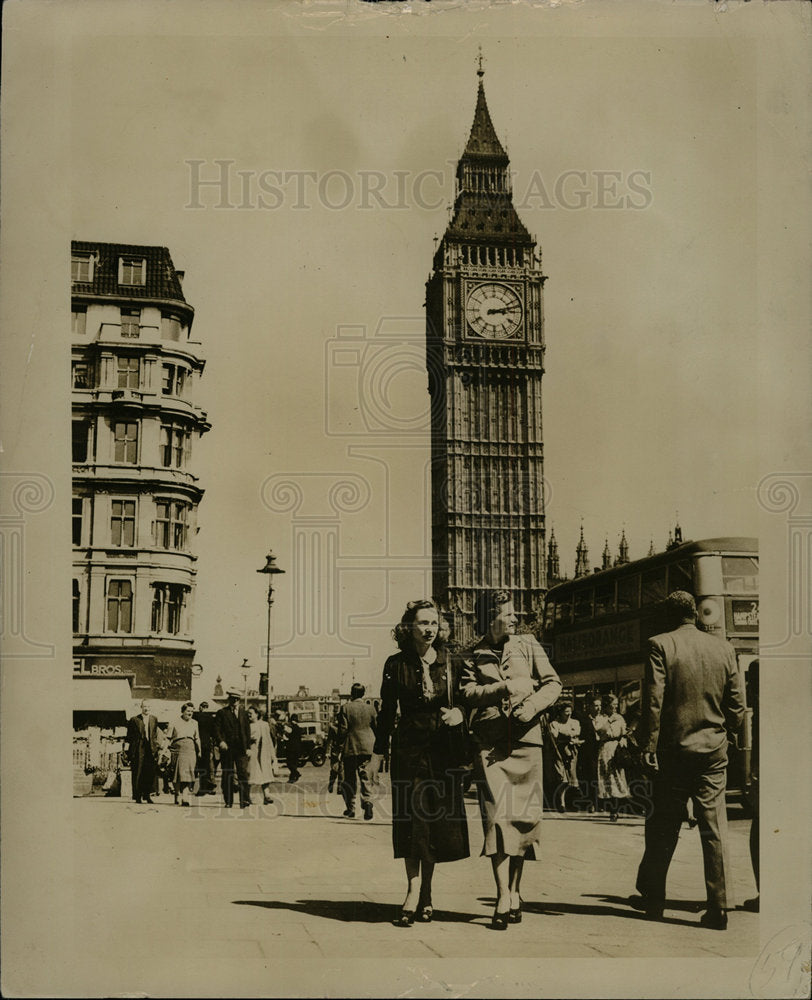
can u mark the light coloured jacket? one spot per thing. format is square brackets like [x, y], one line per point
[484, 689]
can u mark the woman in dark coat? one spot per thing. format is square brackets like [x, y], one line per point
[428, 812]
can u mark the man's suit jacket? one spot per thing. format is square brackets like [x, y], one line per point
[357, 723]
[484, 689]
[141, 738]
[692, 693]
[233, 730]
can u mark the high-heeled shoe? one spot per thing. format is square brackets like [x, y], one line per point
[406, 919]
[499, 921]
[515, 915]
[425, 914]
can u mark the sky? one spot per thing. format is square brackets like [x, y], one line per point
[307, 276]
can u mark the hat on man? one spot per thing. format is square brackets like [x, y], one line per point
[234, 692]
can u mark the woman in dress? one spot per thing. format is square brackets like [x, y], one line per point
[610, 729]
[428, 812]
[565, 732]
[184, 747]
[261, 755]
[508, 681]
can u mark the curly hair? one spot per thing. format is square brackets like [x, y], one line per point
[488, 603]
[680, 606]
[402, 632]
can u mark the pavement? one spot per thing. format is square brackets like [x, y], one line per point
[241, 893]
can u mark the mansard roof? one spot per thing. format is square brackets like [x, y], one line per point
[161, 277]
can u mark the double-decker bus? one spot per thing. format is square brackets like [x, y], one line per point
[597, 626]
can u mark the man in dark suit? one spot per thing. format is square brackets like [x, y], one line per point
[143, 748]
[357, 722]
[692, 704]
[232, 731]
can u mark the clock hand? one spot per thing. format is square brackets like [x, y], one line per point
[508, 309]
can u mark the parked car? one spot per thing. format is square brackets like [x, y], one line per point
[313, 750]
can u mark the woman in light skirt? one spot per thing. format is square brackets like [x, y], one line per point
[184, 747]
[610, 728]
[507, 681]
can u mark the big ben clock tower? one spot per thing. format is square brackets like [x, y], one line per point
[485, 355]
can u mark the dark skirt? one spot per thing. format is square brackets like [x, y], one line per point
[511, 800]
[428, 810]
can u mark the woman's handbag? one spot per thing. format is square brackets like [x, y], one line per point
[459, 746]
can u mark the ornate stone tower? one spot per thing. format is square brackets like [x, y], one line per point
[581, 556]
[485, 354]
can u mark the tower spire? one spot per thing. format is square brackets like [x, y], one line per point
[480, 71]
[581, 556]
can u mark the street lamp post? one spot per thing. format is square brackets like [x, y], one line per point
[245, 671]
[271, 569]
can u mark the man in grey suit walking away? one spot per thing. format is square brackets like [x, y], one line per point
[356, 736]
[692, 705]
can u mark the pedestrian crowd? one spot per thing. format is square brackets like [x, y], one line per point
[236, 744]
[492, 717]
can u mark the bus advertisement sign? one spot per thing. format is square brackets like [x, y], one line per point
[605, 640]
[744, 616]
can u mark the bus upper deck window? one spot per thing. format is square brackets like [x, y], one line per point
[653, 586]
[628, 593]
[681, 577]
[604, 599]
[740, 574]
[583, 605]
[562, 611]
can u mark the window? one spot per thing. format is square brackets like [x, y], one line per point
[131, 271]
[740, 574]
[130, 323]
[604, 599]
[80, 374]
[160, 532]
[628, 593]
[681, 577]
[76, 598]
[122, 522]
[119, 606]
[80, 431]
[170, 327]
[176, 443]
[78, 321]
[128, 373]
[583, 605]
[653, 586]
[179, 525]
[563, 609]
[81, 267]
[173, 380]
[171, 525]
[126, 443]
[78, 505]
[168, 607]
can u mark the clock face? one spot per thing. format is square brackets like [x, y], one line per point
[494, 310]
